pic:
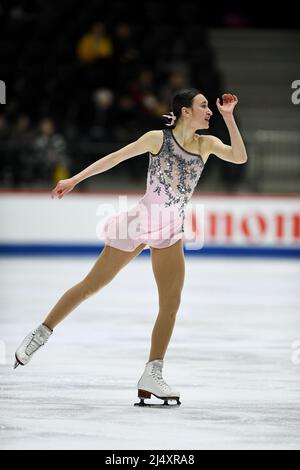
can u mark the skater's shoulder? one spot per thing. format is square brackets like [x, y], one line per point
[156, 139]
[205, 145]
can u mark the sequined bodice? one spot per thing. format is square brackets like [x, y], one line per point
[174, 171]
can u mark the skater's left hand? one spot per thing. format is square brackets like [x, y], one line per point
[63, 187]
[229, 103]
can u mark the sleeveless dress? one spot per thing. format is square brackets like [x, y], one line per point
[158, 218]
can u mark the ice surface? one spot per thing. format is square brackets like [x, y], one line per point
[233, 356]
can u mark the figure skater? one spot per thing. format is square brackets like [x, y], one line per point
[177, 156]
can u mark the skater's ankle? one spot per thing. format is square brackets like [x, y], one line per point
[155, 359]
[47, 326]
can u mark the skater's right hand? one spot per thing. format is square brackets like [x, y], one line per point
[63, 187]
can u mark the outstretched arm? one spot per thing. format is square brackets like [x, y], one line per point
[236, 152]
[142, 145]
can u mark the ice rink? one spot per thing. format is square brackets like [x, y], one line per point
[234, 356]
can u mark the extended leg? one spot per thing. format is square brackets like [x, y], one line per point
[108, 264]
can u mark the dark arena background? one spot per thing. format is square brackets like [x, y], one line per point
[78, 81]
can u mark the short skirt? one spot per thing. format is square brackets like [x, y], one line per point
[155, 225]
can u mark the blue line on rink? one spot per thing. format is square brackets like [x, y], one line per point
[68, 249]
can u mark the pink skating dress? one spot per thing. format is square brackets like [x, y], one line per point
[158, 218]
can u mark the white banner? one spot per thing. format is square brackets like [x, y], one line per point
[210, 220]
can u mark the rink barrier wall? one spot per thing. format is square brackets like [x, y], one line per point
[230, 224]
[89, 250]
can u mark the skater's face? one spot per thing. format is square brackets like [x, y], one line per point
[199, 114]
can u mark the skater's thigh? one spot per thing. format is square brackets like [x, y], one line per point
[168, 266]
[110, 261]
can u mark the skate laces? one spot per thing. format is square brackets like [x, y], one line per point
[37, 340]
[156, 374]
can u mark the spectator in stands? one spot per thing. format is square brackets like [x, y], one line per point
[95, 44]
[22, 156]
[96, 54]
[125, 48]
[126, 54]
[142, 85]
[102, 123]
[51, 160]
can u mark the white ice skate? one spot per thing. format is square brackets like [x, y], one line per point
[152, 383]
[31, 343]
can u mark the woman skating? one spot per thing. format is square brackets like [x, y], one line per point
[177, 156]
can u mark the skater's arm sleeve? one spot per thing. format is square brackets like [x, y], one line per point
[142, 145]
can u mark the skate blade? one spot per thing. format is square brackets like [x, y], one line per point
[166, 404]
[17, 363]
